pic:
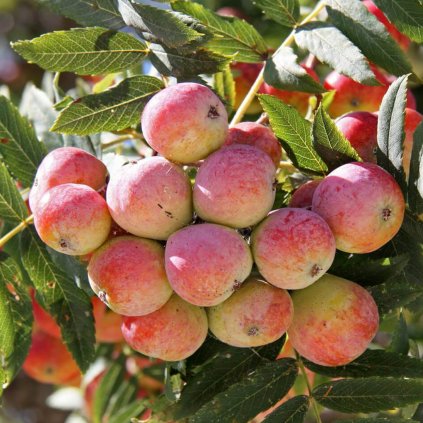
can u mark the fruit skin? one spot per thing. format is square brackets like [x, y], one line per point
[172, 333]
[252, 133]
[360, 129]
[234, 186]
[244, 75]
[107, 323]
[205, 263]
[72, 219]
[334, 321]
[67, 165]
[257, 314]
[128, 274]
[297, 99]
[362, 204]
[185, 122]
[303, 196]
[43, 321]
[401, 39]
[412, 120]
[292, 248]
[49, 361]
[150, 198]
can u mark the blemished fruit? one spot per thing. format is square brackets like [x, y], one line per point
[257, 135]
[72, 219]
[362, 204]
[128, 274]
[297, 99]
[412, 120]
[257, 314]
[67, 165]
[234, 186]
[360, 129]
[303, 196]
[206, 263]
[172, 333]
[292, 248]
[334, 321]
[49, 361]
[150, 198]
[107, 323]
[185, 122]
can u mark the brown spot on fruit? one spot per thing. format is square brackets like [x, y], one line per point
[315, 270]
[213, 113]
[386, 214]
[253, 331]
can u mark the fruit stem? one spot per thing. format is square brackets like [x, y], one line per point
[257, 83]
[309, 388]
[24, 224]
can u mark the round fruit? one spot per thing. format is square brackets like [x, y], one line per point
[43, 321]
[303, 196]
[172, 333]
[128, 274]
[293, 248]
[257, 314]
[185, 122]
[206, 263]
[150, 198]
[67, 165]
[72, 219]
[234, 186]
[362, 204]
[107, 323]
[334, 321]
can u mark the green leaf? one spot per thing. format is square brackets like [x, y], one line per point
[127, 412]
[124, 395]
[292, 411]
[15, 320]
[374, 363]
[165, 26]
[68, 304]
[368, 34]
[331, 46]
[330, 143]
[84, 51]
[171, 62]
[294, 132]
[415, 180]
[282, 71]
[377, 420]
[12, 206]
[111, 110]
[19, 146]
[257, 392]
[109, 385]
[229, 366]
[224, 85]
[390, 130]
[232, 36]
[406, 15]
[400, 342]
[368, 395]
[87, 12]
[284, 12]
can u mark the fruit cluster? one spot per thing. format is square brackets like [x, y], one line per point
[173, 276]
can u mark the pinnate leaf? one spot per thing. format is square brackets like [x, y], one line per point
[84, 51]
[284, 12]
[294, 132]
[224, 85]
[331, 46]
[112, 110]
[368, 34]
[369, 394]
[19, 146]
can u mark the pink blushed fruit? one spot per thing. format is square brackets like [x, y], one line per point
[128, 274]
[107, 322]
[185, 122]
[234, 186]
[257, 135]
[303, 196]
[362, 204]
[72, 219]
[206, 263]
[360, 129]
[334, 321]
[293, 248]
[150, 198]
[172, 333]
[257, 314]
[67, 165]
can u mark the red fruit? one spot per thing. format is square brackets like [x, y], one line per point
[107, 323]
[303, 196]
[244, 76]
[232, 12]
[43, 320]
